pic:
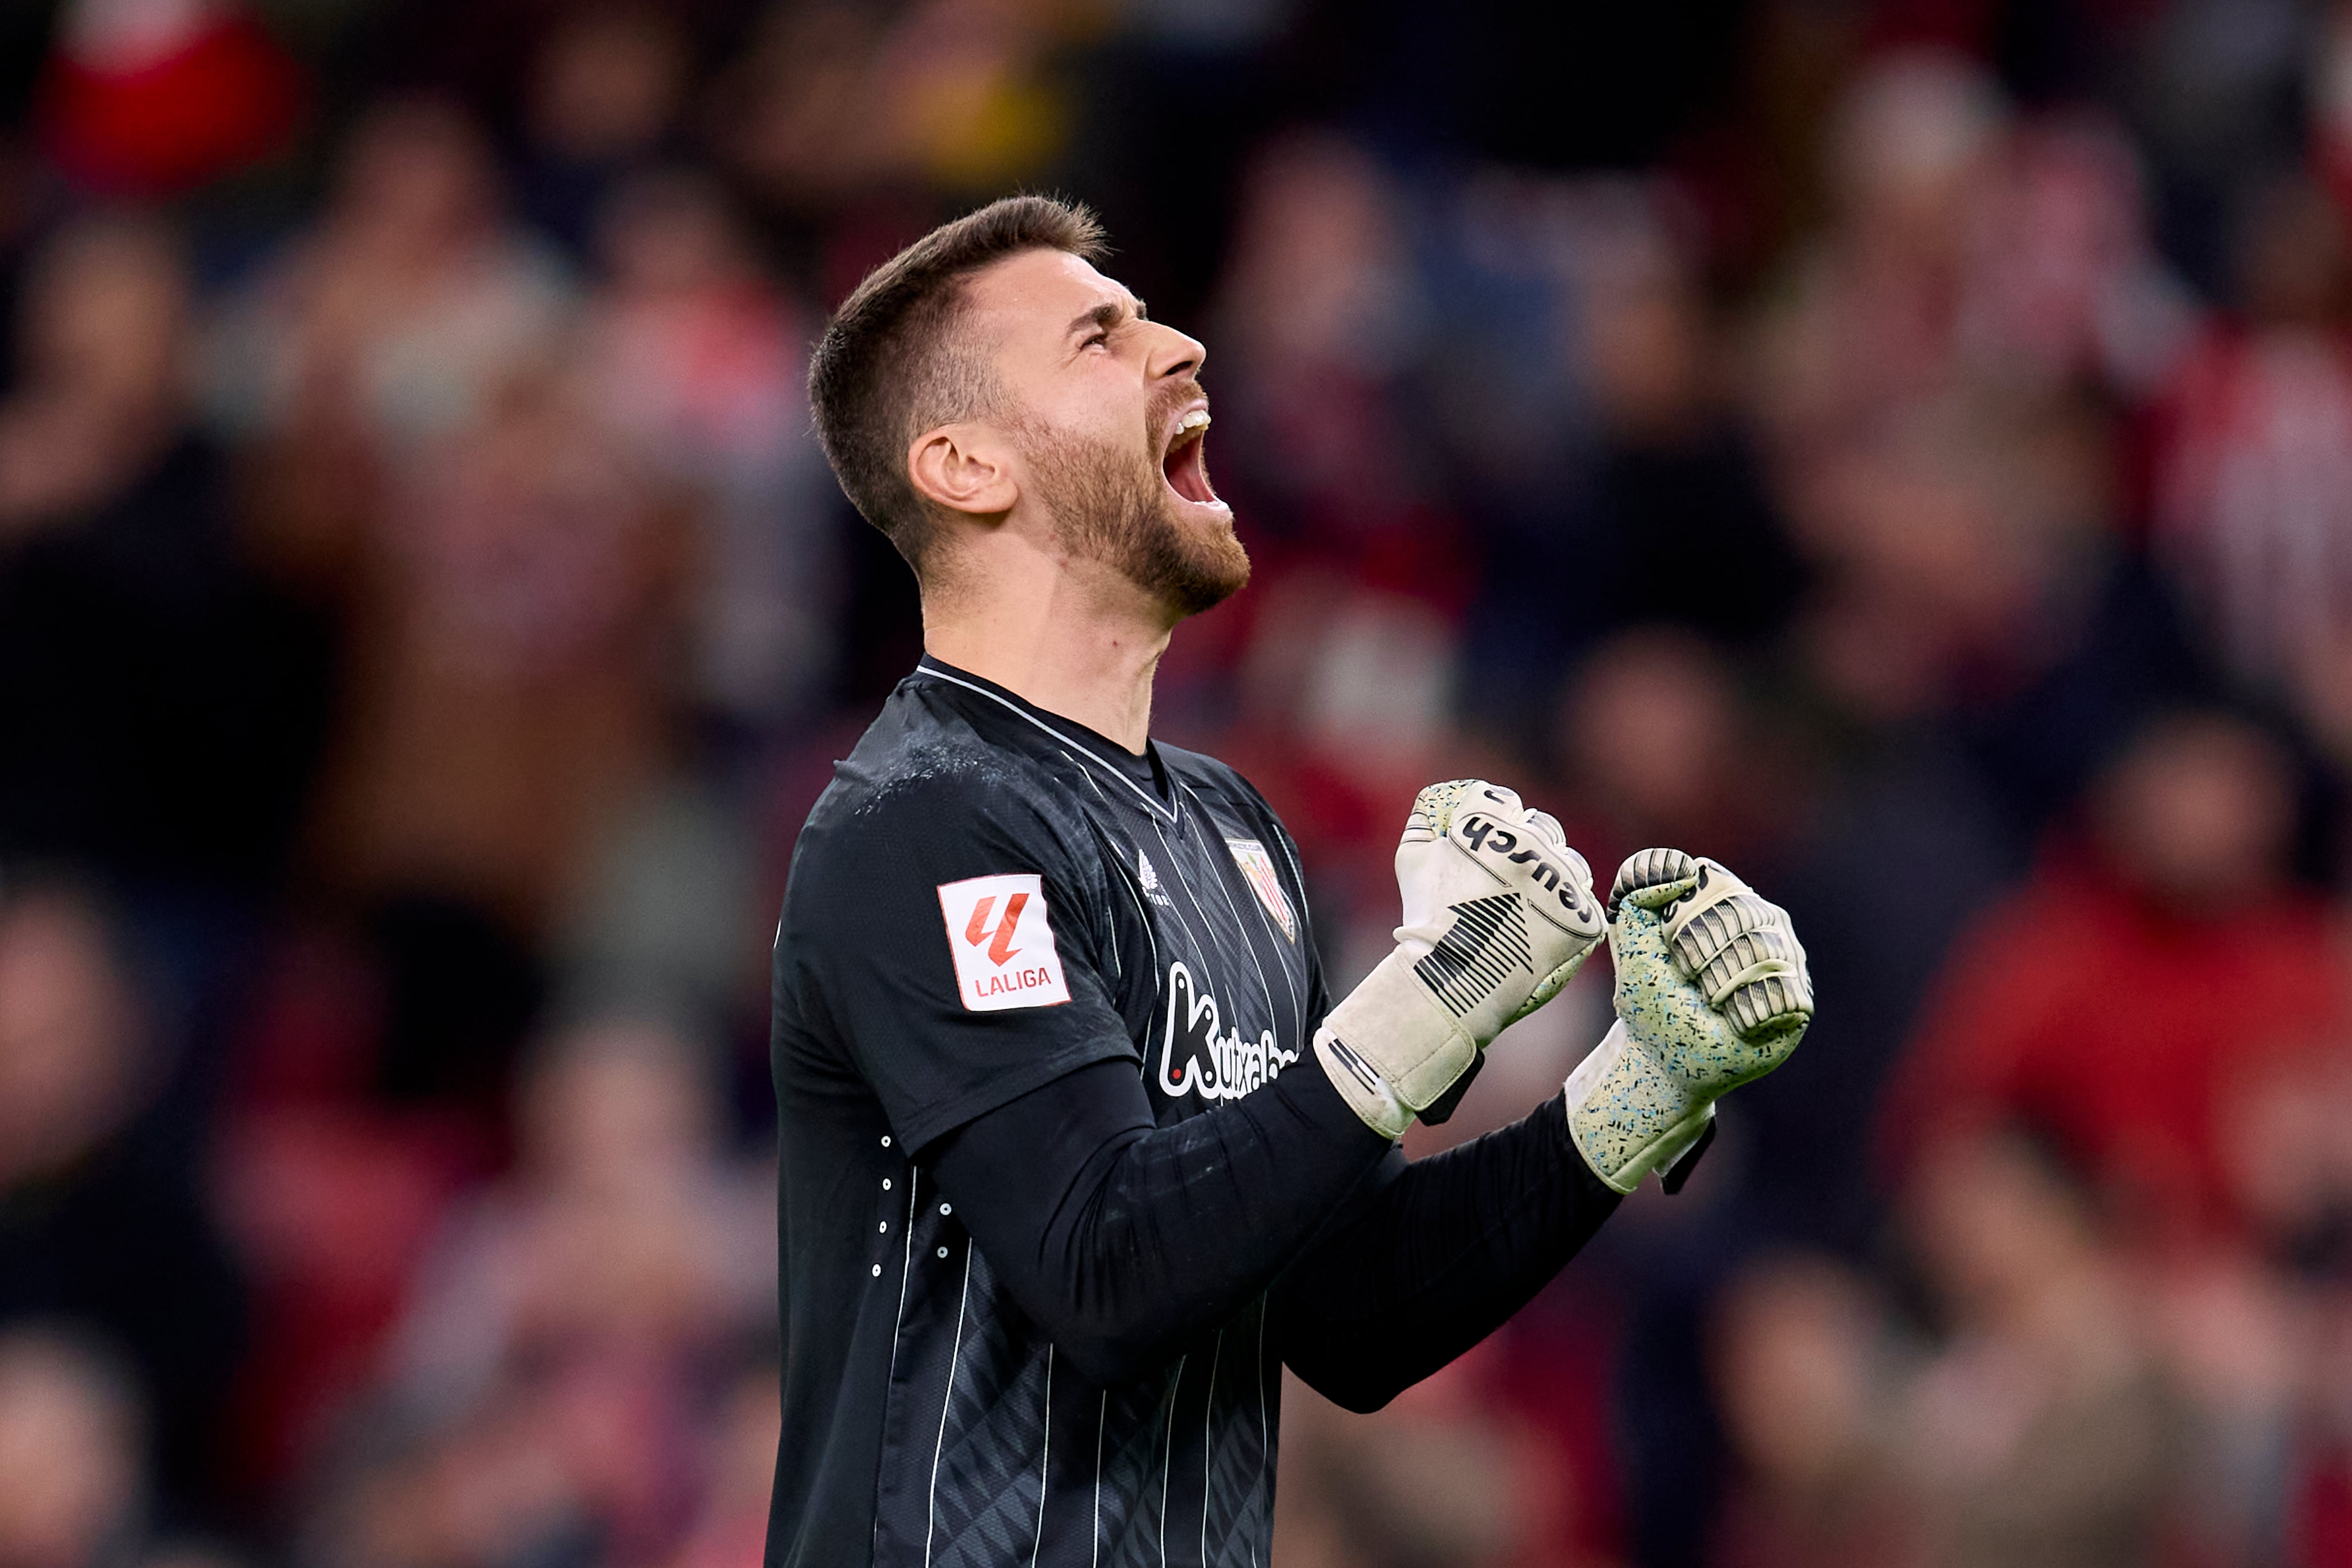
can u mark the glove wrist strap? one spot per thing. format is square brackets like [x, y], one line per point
[1361, 1085]
[1389, 1049]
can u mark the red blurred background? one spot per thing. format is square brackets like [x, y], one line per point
[1903, 449]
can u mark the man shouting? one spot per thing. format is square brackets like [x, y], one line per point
[1076, 1151]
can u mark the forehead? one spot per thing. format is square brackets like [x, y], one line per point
[1034, 297]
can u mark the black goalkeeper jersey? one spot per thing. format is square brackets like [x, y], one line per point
[986, 899]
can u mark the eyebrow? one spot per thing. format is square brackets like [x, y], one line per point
[1107, 314]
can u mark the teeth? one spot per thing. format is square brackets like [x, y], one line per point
[1196, 420]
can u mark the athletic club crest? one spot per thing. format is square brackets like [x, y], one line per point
[1258, 867]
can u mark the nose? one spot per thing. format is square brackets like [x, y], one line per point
[1172, 353]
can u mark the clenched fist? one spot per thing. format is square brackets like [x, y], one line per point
[1499, 914]
[1712, 992]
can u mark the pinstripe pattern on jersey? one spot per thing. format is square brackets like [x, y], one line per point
[1185, 1470]
[988, 1480]
[1174, 1469]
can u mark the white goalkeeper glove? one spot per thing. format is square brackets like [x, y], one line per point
[1499, 914]
[1712, 992]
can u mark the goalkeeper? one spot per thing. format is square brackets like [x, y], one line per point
[1077, 1152]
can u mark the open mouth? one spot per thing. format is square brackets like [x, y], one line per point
[1185, 465]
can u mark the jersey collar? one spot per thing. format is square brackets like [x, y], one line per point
[1100, 752]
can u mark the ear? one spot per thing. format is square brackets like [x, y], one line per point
[966, 468]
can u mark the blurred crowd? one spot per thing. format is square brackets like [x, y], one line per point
[1902, 450]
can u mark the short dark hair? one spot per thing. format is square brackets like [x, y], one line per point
[887, 367]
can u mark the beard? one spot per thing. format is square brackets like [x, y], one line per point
[1111, 505]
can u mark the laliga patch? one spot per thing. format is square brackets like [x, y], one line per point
[1257, 869]
[1003, 947]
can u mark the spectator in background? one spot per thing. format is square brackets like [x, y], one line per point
[99, 388]
[406, 308]
[162, 702]
[588, 1298]
[694, 355]
[2065, 287]
[73, 1486]
[147, 103]
[1447, 1476]
[833, 104]
[1579, 376]
[1661, 748]
[391, 323]
[623, 1224]
[1973, 645]
[2039, 1431]
[1678, 495]
[1946, 547]
[2123, 995]
[98, 1228]
[1321, 315]
[545, 1396]
[1971, 576]
[2221, 97]
[2042, 1434]
[330, 1189]
[730, 1529]
[794, 111]
[2254, 454]
[1864, 322]
[1970, 250]
[603, 97]
[1809, 1377]
[515, 668]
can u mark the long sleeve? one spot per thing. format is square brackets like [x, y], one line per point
[1124, 1239]
[1433, 1256]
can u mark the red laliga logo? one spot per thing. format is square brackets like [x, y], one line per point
[992, 921]
[977, 931]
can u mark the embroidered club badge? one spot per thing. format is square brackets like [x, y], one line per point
[1258, 868]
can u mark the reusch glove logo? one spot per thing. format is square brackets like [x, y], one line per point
[1484, 836]
[1003, 944]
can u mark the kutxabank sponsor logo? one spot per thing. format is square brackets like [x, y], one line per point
[1198, 1056]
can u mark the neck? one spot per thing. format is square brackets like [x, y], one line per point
[1074, 639]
